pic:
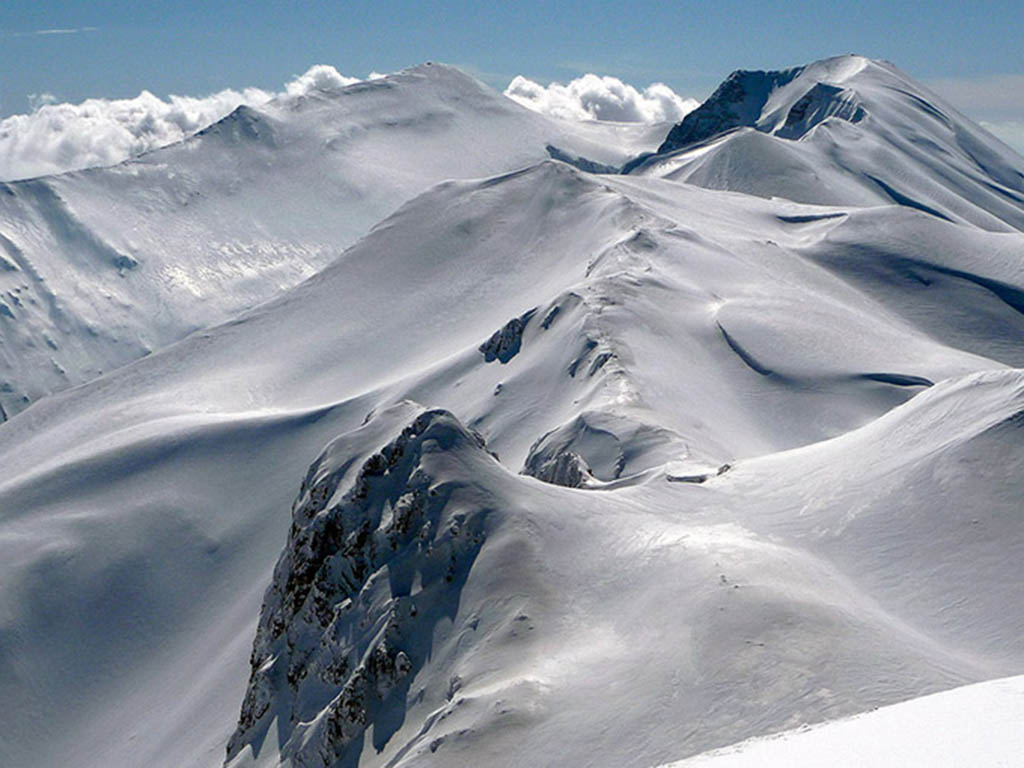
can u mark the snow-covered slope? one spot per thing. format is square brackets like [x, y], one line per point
[437, 607]
[977, 725]
[847, 131]
[99, 267]
[554, 467]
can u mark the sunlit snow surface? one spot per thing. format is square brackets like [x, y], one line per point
[978, 725]
[660, 467]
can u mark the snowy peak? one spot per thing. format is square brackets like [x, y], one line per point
[739, 101]
[788, 102]
[199, 231]
[844, 131]
[245, 123]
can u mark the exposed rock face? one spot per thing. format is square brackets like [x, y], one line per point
[821, 102]
[736, 102]
[372, 562]
[743, 101]
[565, 468]
[599, 446]
[505, 342]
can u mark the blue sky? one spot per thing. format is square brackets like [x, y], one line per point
[193, 47]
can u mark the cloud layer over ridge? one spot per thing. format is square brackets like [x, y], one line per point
[593, 97]
[54, 138]
[57, 137]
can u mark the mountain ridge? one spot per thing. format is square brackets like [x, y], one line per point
[102, 266]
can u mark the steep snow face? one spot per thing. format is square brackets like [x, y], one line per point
[612, 335]
[739, 101]
[845, 131]
[977, 725]
[100, 267]
[772, 101]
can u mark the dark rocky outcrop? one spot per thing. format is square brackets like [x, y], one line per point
[505, 342]
[736, 102]
[372, 563]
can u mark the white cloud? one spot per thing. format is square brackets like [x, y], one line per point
[62, 137]
[592, 97]
[52, 31]
[37, 100]
[322, 77]
[65, 31]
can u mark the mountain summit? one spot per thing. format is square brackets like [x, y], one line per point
[788, 102]
[845, 131]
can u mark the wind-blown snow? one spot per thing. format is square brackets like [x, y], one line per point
[319, 77]
[596, 97]
[1009, 131]
[54, 137]
[995, 101]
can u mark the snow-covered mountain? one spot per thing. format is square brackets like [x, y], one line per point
[555, 468]
[845, 131]
[100, 267]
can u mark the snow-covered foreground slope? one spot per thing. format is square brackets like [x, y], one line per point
[432, 608]
[100, 267]
[848, 131]
[555, 468]
[977, 725]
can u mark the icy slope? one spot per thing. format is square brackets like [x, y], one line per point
[619, 333]
[845, 131]
[100, 267]
[977, 725]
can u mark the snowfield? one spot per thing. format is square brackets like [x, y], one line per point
[977, 725]
[547, 466]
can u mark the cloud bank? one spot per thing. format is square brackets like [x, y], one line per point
[64, 137]
[321, 77]
[592, 97]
